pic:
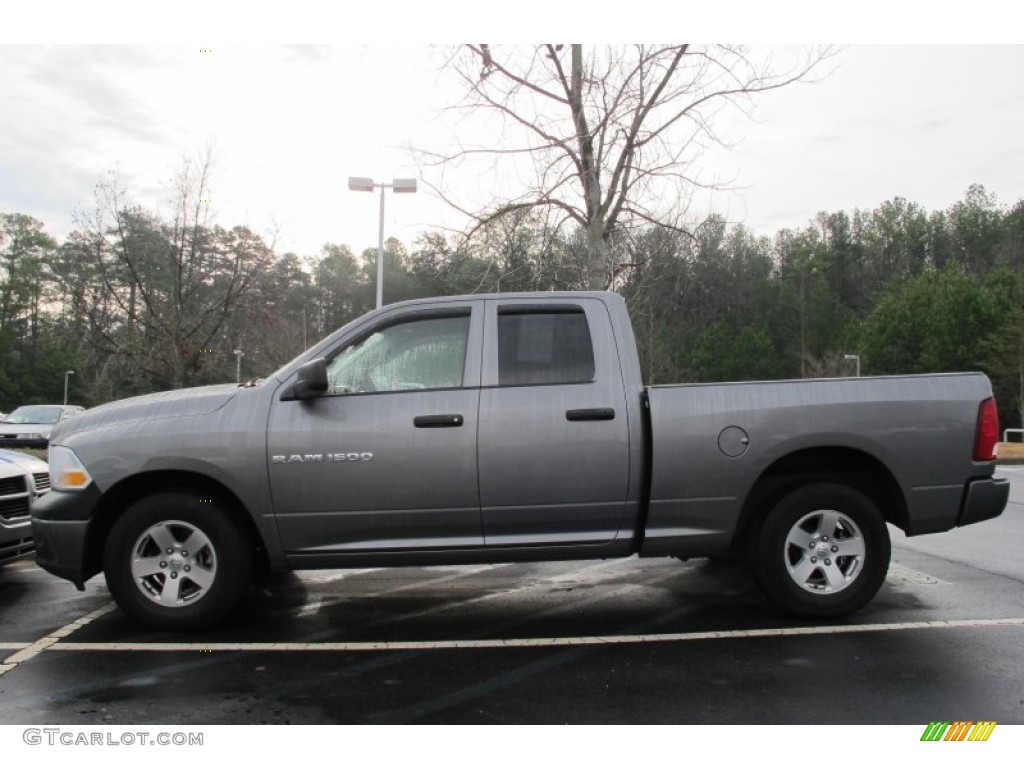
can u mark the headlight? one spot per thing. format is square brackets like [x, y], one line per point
[66, 472]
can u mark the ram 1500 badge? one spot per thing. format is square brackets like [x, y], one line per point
[296, 458]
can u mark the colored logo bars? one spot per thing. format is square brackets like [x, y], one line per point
[961, 730]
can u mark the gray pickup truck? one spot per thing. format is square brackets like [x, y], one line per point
[503, 428]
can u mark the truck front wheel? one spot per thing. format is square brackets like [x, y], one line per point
[176, 561]
[822, 551]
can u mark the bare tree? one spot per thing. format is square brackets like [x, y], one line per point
[610, 135]
[162, 290]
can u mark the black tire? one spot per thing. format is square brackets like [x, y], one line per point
[822, 552]
[154, 577]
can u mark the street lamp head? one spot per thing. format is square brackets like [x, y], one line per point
[69, 373]
[399, 186]
[360, 184]
[851, 357]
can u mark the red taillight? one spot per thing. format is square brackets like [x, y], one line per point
[988, 431]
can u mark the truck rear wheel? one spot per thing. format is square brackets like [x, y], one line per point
[176, 561]
[822, 551]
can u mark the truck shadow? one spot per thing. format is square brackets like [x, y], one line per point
[442, 604]
[511, 601]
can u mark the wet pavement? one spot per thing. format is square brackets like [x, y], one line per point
[633, 641]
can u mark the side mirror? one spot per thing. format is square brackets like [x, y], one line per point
[310, 381]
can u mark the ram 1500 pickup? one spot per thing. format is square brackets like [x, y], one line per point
[505, 428]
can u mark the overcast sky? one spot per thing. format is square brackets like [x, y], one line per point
[289, 124]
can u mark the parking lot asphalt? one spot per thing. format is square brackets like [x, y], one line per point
[632, 641]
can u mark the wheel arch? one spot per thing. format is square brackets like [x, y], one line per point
[126, 492]
[848, 466]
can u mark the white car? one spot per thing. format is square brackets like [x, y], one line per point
[23, 479]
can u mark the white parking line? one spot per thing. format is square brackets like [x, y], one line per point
[538, 642]
[34, 649]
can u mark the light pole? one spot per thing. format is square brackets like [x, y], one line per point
[803, 315]
[398, 186]
[855, 358]
[66, 374]
[239, 354]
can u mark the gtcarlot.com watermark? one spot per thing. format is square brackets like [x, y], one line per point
[67, 737]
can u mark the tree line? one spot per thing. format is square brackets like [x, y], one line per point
[135, 301]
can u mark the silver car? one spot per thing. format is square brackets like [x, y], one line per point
[29, 426]
[23, 478]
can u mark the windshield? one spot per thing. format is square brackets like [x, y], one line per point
[34, 414]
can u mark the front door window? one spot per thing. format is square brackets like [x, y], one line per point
[419, 354]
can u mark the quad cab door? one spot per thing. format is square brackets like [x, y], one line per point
[554, 437]
[385, 459]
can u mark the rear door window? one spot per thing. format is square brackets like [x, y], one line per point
[544, 346]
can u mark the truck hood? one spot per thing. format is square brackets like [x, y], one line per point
[175, 404]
